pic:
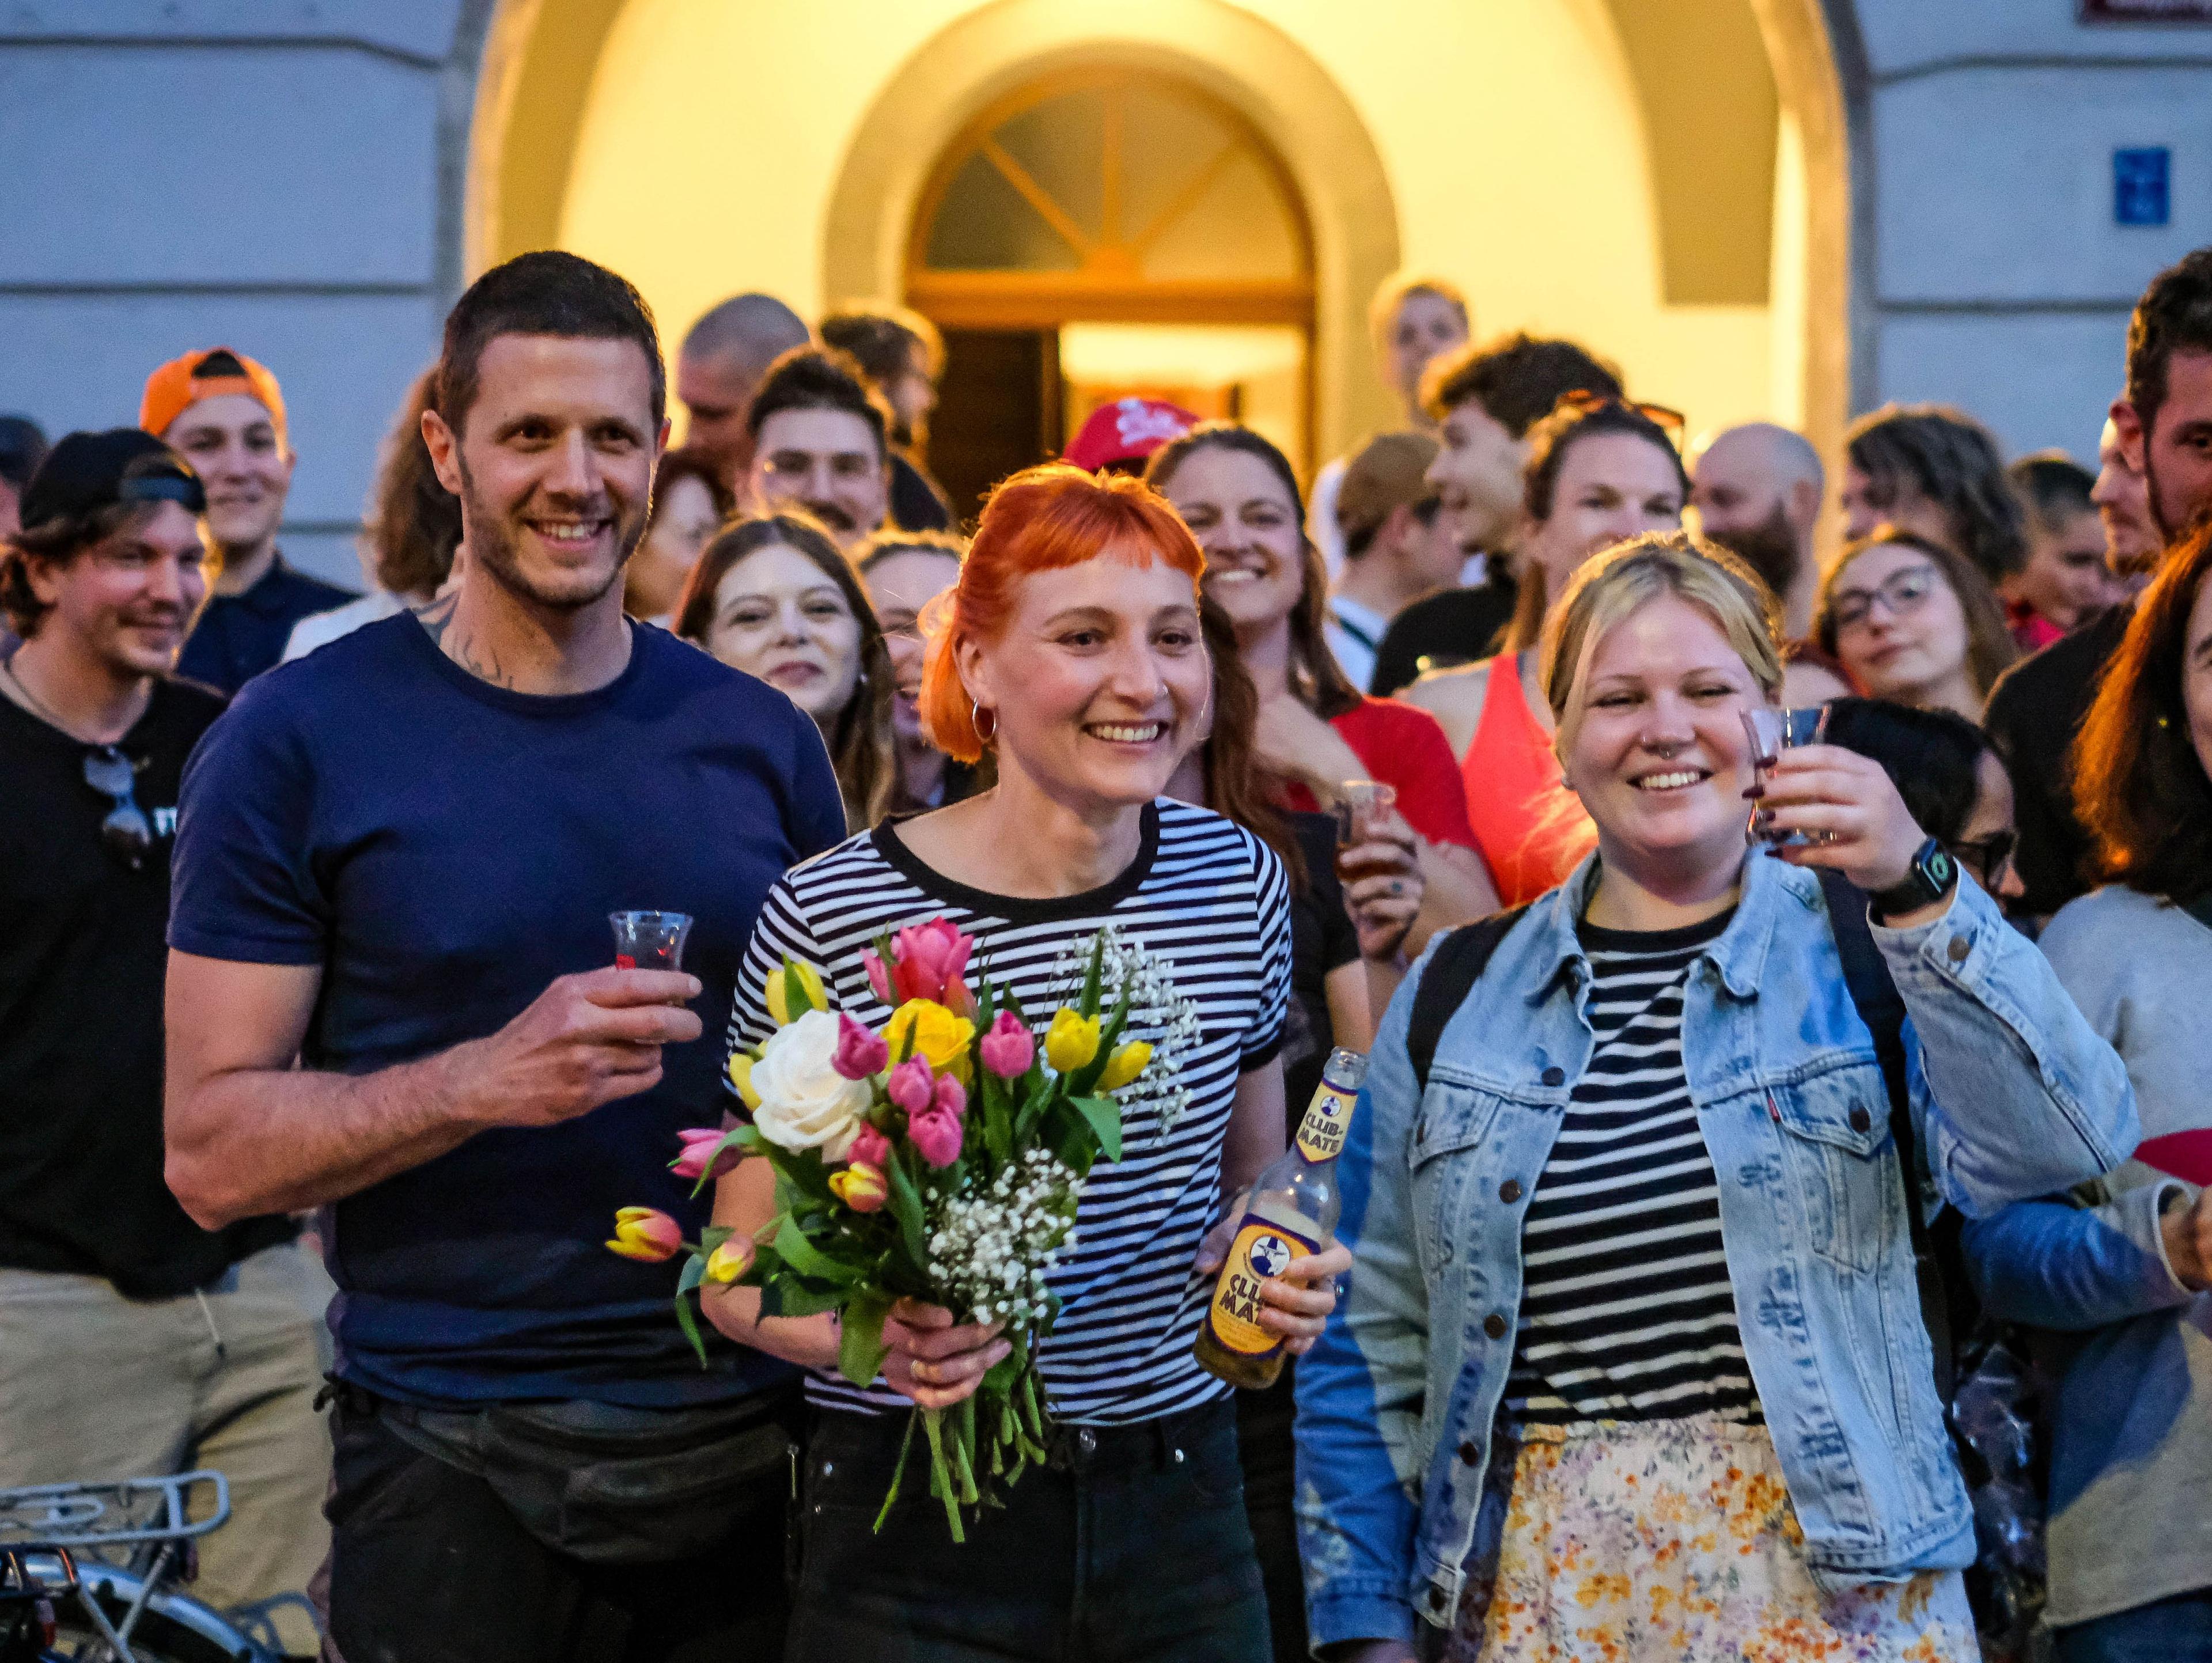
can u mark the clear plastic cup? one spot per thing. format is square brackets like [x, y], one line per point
[649, 941]
[1772, 731]
[1360, 804]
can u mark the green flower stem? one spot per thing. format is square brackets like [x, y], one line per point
[940, 1479]
[898, 1472]
[963, 1442]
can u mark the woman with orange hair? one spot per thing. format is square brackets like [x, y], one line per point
[1070, 648]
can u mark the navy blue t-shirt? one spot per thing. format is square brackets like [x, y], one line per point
[237, 637]
[443, 849]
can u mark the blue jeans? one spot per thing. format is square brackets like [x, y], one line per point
[2174, 1630]
[1130, 1547]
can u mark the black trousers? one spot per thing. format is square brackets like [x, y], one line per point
[1130, 1547]
[428, 1565]
[1265, 1422]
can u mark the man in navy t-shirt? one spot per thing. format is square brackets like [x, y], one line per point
[395, 861]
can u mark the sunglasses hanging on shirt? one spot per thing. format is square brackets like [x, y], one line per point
[126, 834]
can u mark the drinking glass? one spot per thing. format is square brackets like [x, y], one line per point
[1359, 804]
[1772, 731]
[649, 941]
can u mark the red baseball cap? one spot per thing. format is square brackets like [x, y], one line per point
[1127, 430]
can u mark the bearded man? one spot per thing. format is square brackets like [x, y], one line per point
[395, 861]
[1756, 491]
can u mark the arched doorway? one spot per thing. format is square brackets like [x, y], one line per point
[1101, 232]
[706, 146]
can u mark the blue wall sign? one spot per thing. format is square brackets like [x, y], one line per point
[2142, 193]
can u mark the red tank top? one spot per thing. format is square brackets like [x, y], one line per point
[1530, 828]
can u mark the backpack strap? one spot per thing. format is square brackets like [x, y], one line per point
[1452, 971]
[1881, 1008]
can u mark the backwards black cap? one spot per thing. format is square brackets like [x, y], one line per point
[89, 472]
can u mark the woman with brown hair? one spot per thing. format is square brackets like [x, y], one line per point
[1913, 622]
[413, 536]
[1314, 730]
[690, 503]
[2122, 1266]
[1600, 470]
[771, 596]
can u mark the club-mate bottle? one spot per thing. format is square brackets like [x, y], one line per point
[1292, 1212]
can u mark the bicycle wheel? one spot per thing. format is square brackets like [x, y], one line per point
[157, 1639]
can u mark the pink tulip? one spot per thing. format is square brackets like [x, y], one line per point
[951, 1097]
[936, 1135]
[910, 1086]
[879, 979]
[699, 1143]
[932, 959]
[861, 1052]
[1008, 1047]
[870, 1149]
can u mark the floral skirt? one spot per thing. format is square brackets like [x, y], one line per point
[1675, 1542]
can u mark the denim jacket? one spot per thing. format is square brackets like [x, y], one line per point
[2013, 1093]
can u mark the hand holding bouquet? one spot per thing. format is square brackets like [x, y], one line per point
[933, 1169]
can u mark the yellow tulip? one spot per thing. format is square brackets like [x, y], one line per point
[936, 1035]
[1071, 1040]
[859, 1186]
[646, 1233]
[727, 1262]
[777, 993]
[1125, 1064]
[741, 1076]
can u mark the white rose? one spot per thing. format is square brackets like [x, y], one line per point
[805, 1102]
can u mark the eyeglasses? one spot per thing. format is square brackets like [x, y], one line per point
[126, 834]
[1582, 399]
[1986, 856]
[1899, 593]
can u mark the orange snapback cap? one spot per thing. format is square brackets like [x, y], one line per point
[183, 382]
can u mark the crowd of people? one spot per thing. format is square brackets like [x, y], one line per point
[1750, 1128]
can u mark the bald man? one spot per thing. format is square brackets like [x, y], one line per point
[1756, 490]
[719, 368]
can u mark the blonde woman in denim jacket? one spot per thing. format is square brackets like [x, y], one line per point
[1632, 1365]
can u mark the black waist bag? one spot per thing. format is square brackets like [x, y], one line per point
[614, 1485]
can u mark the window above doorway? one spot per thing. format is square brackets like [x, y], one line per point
[1110, 195]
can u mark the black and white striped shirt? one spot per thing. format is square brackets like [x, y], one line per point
[1626, 1310]
[1208, 900]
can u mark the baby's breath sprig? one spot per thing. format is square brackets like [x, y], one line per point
[1158, 1015]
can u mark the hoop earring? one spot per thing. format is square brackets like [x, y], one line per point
[976, 716]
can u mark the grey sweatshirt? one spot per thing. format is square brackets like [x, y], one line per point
[2131, 1466]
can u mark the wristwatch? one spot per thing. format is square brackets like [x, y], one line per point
[1932, 877]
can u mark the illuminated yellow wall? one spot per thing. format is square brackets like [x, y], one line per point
[1510, 130]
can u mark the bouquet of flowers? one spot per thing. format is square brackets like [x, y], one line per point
[941, 1159]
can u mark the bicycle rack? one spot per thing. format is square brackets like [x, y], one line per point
[54, 1523]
